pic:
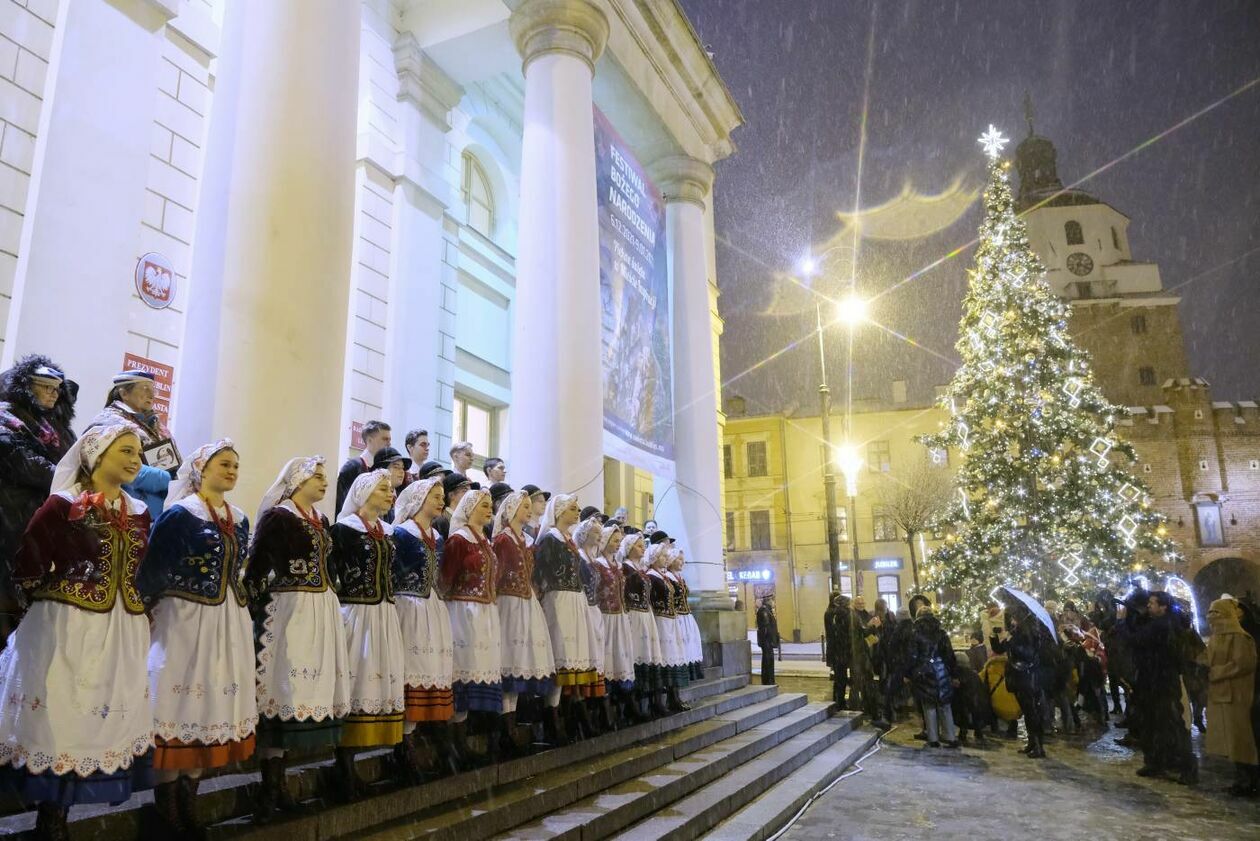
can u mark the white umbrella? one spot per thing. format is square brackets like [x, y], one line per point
[1034, 607]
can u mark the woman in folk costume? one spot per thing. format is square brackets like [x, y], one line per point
[528, 666]
[649, 662]
[76, 715]
[688, 630]
[586, 538]
[467, 574]
[663, 607]
[610, 593]
[303, 678]
[558, 580]
[428, 653]
[362, 561]
[201, 662]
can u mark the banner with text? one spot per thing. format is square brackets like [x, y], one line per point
[634, 293]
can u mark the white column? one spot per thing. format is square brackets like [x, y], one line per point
[263, 358]
[81, 237]
[420, 362]
[691, 510]
[557, 393]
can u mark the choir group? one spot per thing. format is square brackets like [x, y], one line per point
[151, 648]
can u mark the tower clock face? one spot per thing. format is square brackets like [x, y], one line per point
[1079, 263]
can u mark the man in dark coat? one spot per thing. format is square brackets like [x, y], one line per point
[767, 638]
[932, 677]
[36, 408]
[862, 689]
[839, 646]
[1160, 657]
[376, 437]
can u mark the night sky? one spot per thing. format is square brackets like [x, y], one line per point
[1103, 77]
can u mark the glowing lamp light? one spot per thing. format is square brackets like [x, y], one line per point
[849, 461]
[808, 265]
[851, 310]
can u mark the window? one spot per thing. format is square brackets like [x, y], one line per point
[1146, 375]
[1084, 289]
[938, 456]
[1072, 230]
[756, 458]
[899, 391]
[728, 463]
[1115, 237]
[476, 423]
[1137, 324]
[730, 529]
[759, 529]
[477, 196]
[878, 457]
[846, 585]
[885, 526]
[842, 524]
[889, 589]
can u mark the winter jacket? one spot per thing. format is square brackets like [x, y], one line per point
[1231, 662]
[836, 627]
[933, 663]
[1027, 666]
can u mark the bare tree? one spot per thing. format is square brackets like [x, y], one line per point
[914, 500]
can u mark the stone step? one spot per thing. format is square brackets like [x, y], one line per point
[713, 686]
[503, 809]
[771, 811]
[699, 812]
[604, 813]
[225, 798]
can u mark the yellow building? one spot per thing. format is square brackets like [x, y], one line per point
[775, 526]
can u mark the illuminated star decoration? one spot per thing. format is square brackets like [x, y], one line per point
[993, 141]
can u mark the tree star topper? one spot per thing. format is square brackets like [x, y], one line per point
[993, 141]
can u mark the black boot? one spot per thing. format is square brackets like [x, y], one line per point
[186, 800]
[511, 747]
[267, 798]
[449, 759]
[586, 724]
[410, 769]
[348, 785]
[553, 728]
[608, 720]
[470, 757]
[659, 708]
[167, 808]
[50, 825]
[676, 704]
[1039, 750]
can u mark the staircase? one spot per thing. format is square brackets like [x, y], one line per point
[721, 767]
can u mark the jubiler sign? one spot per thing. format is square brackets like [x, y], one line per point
[634, 292]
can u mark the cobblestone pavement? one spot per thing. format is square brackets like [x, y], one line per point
[1086, 789]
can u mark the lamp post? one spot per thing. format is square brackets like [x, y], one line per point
[850, 462]
[829, 473]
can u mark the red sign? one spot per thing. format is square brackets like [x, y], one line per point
[163, 381]
[356, 435]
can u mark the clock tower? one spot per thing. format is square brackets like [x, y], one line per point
[1121, 313]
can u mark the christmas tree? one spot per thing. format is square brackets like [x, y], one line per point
[1044, 500]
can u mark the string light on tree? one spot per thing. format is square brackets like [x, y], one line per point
[1046, 501]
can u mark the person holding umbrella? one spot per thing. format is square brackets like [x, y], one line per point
[1030, 631]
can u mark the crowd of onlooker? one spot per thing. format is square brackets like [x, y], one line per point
[1136, 663]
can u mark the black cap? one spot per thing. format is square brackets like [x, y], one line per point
[498, 491]
[659, 536]
[629, 530]
[588, 512]
[387, 456]
[453, 481]
[534, 490]
[431, 468]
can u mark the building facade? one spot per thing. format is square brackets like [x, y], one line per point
[305, 214]
[1200, 457]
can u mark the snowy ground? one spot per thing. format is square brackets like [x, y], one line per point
[1085, 789]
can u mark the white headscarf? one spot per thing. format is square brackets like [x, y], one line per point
[412, 498]
[362, 488]
[657, 552]
[86, 453]
[583, 533]
[459, 520]
[188, 480]
[292, 475]
[627, 543]
[605, 536]
[555, 505]
[512, 504]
